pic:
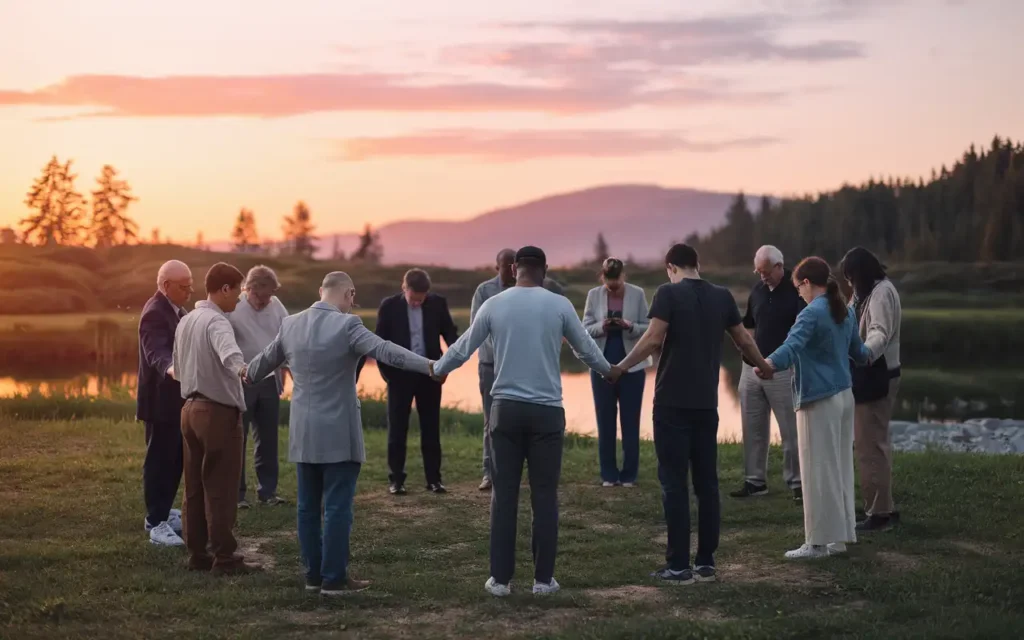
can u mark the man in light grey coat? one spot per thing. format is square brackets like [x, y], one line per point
[322, 347]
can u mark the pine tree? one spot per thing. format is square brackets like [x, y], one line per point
[370, 249]
[243, 236]
[298, 231]
[601, 250]
[58, 207]
[110, 224]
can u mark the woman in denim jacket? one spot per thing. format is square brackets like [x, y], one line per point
[819, 347]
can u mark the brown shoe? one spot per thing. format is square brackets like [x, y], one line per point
[341, 589]
[200, 564]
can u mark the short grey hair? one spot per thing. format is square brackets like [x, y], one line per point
[769, 253]
[171, 270]
[337, 280]
[261, 273]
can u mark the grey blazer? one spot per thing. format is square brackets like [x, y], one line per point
[322, 347]
[634, 309]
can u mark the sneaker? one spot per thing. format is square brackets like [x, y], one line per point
[875, 523]
[436, 487]
[608, 485]
[628, 485]
[313, 584]
[541, 589]
[163, 535]
[497, 590]
[675, 577]
[808, 551]
[485, 484]
[750, 490]
[174, 519]
[798, 495]
[243, 504]
[836, 548]
[396, 489]
[704, 574]
[273, 501]
[344, 588]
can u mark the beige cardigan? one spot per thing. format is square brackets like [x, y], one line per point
[634, 309]
[880, 324]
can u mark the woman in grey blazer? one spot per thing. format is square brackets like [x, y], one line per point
[616, 316]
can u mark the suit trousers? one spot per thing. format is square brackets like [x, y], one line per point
[162, 468]
[486, 374]
[758, 400]
[263, 408]
[427, 394]
[212, 435]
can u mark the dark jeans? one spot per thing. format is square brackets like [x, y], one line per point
[626, 394]
[326, 491]
[685, 439]
[522, 431]
[162, 468]
[263, 406]
[427, 393]
[485, 370]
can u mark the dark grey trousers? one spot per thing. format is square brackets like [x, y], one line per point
[522, 431]
[263, 406]
[486, 373]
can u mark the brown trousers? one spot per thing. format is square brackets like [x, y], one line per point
[212, 438]
[873, 447]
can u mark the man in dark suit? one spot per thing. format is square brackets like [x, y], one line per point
[159, 402]
[417, 320]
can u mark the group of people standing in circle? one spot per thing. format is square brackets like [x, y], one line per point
[832, 379]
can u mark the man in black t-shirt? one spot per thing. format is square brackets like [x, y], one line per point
[688, 317]
[772, 309]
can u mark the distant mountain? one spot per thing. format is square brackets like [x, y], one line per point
[636, 220]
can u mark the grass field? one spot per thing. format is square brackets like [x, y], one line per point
[74, 562]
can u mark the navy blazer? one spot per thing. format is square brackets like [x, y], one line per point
[393, 325]
[158, 397]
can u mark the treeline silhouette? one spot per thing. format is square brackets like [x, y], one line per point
[971, 212]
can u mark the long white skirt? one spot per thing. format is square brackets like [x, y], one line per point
[825, 435]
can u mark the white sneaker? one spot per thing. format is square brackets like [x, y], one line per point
[540, 589]
[628, 485]
[174, 519]
[607, 485]
[497, 590]
[807, 551]
[836, 548]
[164, 535]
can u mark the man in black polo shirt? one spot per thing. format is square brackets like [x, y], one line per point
[771, 311]
[688, 317]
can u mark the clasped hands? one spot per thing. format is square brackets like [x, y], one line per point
[433, 377]
[765, 374]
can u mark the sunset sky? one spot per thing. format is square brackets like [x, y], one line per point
[374, 111]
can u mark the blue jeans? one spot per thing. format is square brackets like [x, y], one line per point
[687, 439]
[624, 398]
[326, 490]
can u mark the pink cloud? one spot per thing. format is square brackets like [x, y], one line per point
[505, 146]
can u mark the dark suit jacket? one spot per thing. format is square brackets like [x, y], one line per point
[158, 398]
[393, 325]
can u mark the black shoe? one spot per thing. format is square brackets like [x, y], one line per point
[860, 515]
[876, 523]
[396, 489]
[704, 574]
[436, 487]
[798, 495]
[272, 501]
[675, 577]
[750, 490]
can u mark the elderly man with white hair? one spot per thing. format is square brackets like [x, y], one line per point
[772, 309]
[158, 402]
[256, 321]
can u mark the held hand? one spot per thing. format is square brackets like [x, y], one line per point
[433, 376]
[767, 373]
[613, 374]
[170, 372]
[243, 374]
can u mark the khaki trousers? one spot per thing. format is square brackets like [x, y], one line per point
[873, 447]
[212, 439]
[825, 431]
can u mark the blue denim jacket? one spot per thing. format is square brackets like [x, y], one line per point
[820, 350]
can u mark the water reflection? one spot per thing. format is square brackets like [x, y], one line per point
[461, 391]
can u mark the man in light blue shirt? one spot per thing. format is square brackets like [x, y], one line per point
[526, 324]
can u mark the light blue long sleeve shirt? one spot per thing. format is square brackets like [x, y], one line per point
[526, 326]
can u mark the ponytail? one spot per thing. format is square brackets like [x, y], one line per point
[836, 300]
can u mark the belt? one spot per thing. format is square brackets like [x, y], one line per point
[200, 397]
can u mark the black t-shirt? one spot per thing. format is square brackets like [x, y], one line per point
[697, 313]
[771, 314]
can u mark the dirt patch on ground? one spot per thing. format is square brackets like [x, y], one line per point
[898, 561]
[757, 570]
[252, 550]
[701, 614]
[627, 594]
[977, 548]
[398, 506]
[446, 550]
